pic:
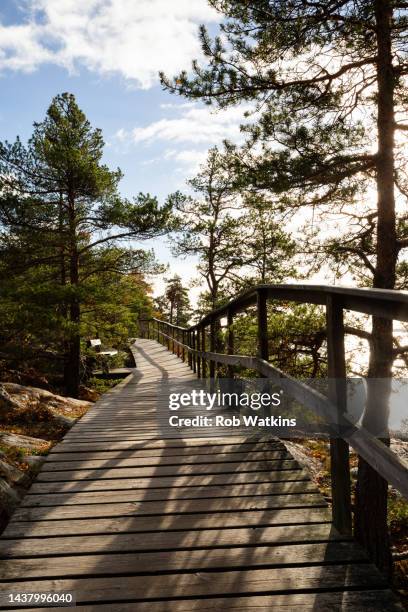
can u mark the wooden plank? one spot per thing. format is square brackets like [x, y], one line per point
[164, 522]
[168, 481]
[203, 584]
[108, 497]
[158, 443]
[182, 560]
[173, 540]
[171, 470]
[148, 507]
[137, 461]
[349, 601]
[225, 450]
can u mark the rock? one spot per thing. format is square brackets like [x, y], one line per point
[400, 447]
[302, 457]
[7, 404]
[16, 440]
[34, 461]
[90, 395]
[13, 475]
[43, 396]
[33, 405]
[9, 498]
[30, 377]
[62, 420]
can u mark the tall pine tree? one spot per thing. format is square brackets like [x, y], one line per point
[329, 80]
[60, 206]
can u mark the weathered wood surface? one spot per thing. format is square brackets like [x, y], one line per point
[130, 520]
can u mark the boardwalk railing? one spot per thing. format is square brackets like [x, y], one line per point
[191, 344]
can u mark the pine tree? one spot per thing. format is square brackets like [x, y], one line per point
[209, 226]
[174, 304]
[60, 205]
[327, 78]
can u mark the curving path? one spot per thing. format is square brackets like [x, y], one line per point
[130, 521]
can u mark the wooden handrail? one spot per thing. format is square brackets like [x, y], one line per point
[382, 303]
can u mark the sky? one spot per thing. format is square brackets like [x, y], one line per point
[108, 53]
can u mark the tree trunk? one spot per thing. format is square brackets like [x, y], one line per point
[72, 371]
[371, 493]
[73, 362]
[63, 280]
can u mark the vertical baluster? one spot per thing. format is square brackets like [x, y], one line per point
[183, 339]
[198, 343]
[204, 363]
[193, 342]
[212, 347]
[190, 357]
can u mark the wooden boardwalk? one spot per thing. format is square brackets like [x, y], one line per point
[130, 521]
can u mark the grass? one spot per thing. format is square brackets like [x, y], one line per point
[102, 385]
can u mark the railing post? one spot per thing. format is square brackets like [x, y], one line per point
[177, 340]
[198, 344]
[167, 328]
[190, 356]
[339, 449]
[212, 347]
[262, 312]
[230, 341]
[158, 331]
[183, 339]
[193, 342]
[203, 363]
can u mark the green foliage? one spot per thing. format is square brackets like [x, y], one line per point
[65, 273]
[174, 304]
[322, 82]
[398, 512]
[236, 235]
[296, 338]
[102, 385]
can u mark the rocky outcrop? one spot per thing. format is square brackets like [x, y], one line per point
[8, 438]
[89, 395]
[19, 403]
[29, 409]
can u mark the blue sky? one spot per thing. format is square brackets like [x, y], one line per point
[108, 53]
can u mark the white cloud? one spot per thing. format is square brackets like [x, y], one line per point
[190, 159]
[195, 125]
[198, 126]
[133, 38]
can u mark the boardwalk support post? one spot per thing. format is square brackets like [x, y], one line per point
[339, 449]
[262, 312]
[193, 343]
[212, 346]
[199, 360]
[183, 350]
[203, 363]
[230, 341]
[190, 356]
